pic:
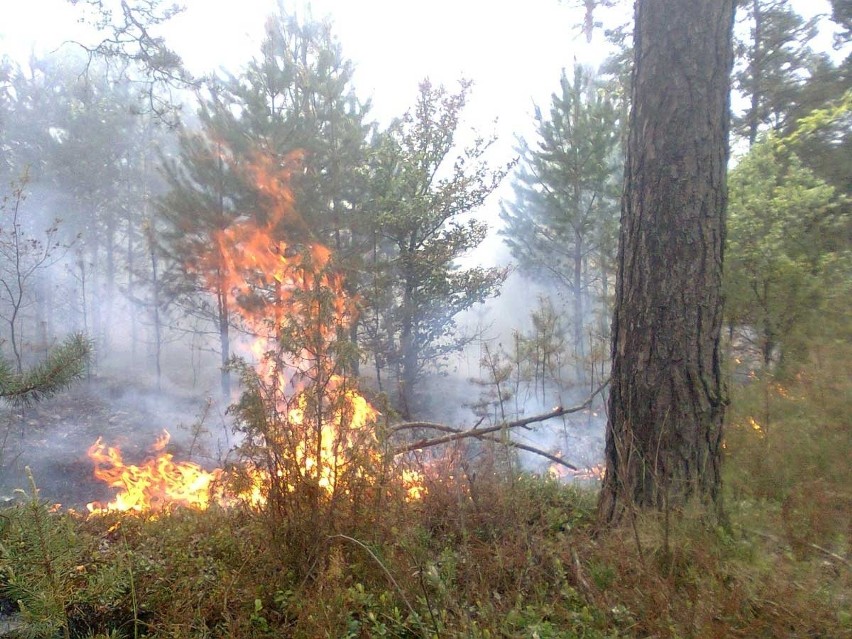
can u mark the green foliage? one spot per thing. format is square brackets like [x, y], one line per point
[561, 226]
[477, 556]
[783, 259]
[299, 97]
[787, 476]
[64, 365]
[75, 125]
[424, 189]
[304, 426]
[532, 366]
[771, 65]
[48, 569]
[24, 257]
[205, 196]
[841, 13]
[821, 135]
[481, 553]
[568, 183]
[801, 415]
[130, 43]
[40, 582]
[294, 106]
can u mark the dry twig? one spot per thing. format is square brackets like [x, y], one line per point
[455, 434]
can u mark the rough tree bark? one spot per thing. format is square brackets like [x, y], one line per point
[667, 400]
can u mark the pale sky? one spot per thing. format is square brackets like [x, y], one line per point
[512, 50]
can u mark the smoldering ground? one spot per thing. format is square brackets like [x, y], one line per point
[51, 438]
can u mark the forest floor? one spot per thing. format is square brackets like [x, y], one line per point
[485, 552]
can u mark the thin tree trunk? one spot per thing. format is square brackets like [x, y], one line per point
[109, 298]
[155, 307]
[224, 342]
[579, 312]
[223, 317]
[409, 357]
[408, 344]
[756, 74]
[131, 266]
[666, 403]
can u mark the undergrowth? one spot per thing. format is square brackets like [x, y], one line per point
[479, 555]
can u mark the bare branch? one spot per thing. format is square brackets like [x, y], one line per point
[487, 437]
[128, 42]
[455, 434]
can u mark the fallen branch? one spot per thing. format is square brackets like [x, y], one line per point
[455, 434]
[538, 451]
[488, 438]
[471, 432]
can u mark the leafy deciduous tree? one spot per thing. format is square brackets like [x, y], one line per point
[424, 191]
[783, 221]
[24, 255]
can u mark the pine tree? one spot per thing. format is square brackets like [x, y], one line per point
[206, 193]
[64, 365]
[666, 402]
[295, 101]
[298, 98]
[90, 154]
[561, 225]
[772, 64]
[131, 48]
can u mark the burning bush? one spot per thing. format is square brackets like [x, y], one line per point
[309, 451]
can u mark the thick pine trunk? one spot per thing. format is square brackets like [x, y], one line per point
[666, 401]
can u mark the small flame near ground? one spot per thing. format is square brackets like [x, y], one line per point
[155, 483]
[160, 482]
[591, 473]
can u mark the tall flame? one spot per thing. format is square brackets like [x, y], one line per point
[278, 288]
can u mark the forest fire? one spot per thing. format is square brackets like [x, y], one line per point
[293, 308]
[591, 473]
[155, 483]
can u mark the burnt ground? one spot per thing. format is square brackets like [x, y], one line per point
[52, 437]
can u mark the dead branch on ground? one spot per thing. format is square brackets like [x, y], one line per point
[486, 433]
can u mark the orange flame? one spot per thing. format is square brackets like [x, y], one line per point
[590, 473]
[274, 286]
[157, 482]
